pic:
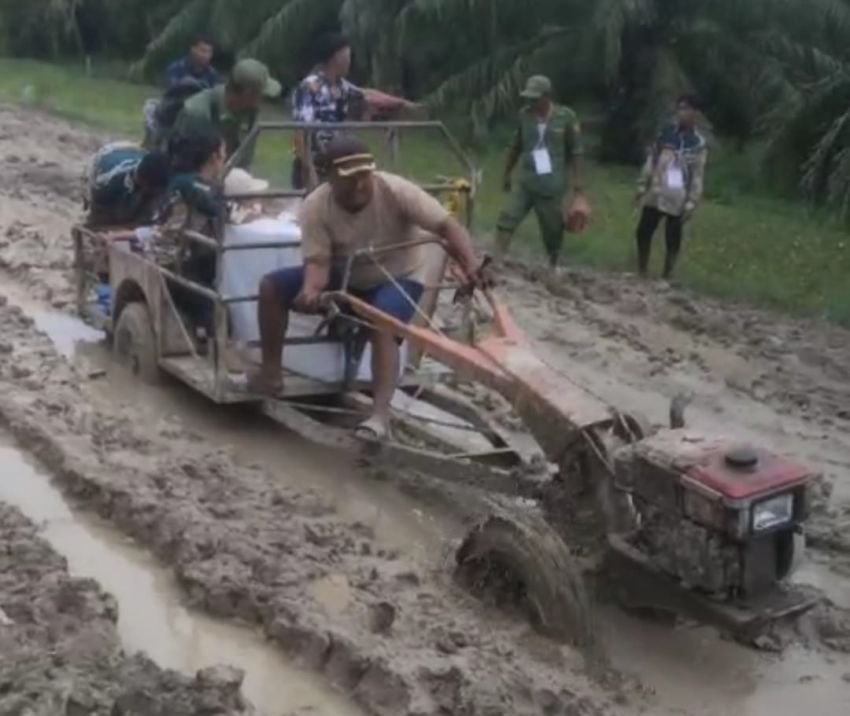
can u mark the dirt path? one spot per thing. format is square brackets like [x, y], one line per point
[317, 555]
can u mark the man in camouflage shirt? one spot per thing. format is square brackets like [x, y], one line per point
[548, 144]
[326, 96]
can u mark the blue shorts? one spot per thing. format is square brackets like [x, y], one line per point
[387, 298]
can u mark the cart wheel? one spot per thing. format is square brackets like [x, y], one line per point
[520, 561]
[134, 343]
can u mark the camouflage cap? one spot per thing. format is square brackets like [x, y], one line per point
[254, 75]
[536, 87]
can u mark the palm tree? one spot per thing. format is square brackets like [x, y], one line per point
[777, 67]
[635, 55]
[808, 129]
[44, 28]
[280, 31]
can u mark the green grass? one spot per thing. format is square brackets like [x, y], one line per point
[743, 244]
[99, 101]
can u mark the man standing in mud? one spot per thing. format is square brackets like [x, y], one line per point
[670, 186]
[548, 143]
[359, 208]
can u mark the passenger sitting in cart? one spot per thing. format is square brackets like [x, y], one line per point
[194, 201]
[123, 184]
[359, 207]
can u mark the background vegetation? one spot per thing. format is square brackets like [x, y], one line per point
[775, 75]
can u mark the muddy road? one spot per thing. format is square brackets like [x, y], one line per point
[60, 649]
[344, 574]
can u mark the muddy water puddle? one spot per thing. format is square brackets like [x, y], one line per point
[398, 521]
[151, 617]
[66, 332]
[693, 672]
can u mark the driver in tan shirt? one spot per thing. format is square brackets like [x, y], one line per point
[359, 208]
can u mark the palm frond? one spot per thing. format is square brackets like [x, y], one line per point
[442, 10]
[803, 140]
[610, 21]
[175, 33]
[283, 36]
[491, 84]
[817, 171]
[838, 189]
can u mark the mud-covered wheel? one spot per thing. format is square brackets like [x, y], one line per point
[520, 561]
[134, 343]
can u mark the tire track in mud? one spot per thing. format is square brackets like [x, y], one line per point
[798, 365]
[60, 652]
[405, 641]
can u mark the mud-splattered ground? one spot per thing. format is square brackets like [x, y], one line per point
[59, 650]
[230, 507]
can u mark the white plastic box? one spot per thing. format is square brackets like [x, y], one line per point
[242, 272]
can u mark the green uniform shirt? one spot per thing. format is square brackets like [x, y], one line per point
[209, 107]
[561, 136]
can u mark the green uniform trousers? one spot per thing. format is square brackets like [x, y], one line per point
[549, 217]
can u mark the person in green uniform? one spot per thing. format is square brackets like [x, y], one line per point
[232, 109]
[548, 145]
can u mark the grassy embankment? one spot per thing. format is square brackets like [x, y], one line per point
[743, 245]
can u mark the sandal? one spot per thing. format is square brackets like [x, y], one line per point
[258, 384]
[375, 430]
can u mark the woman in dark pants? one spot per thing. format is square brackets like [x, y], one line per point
[671, 185]
[674, 227]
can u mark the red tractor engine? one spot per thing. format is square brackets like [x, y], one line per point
[717, 518]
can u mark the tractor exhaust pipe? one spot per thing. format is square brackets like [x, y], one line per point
[678, 406]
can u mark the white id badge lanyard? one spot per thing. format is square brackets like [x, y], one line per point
[541, 156]
[675, 174]
[675, 177]
[542, 161]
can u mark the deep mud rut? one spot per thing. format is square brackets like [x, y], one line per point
[60, 653]
[347, 575]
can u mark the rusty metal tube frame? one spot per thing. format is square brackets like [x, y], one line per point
[253, 135]
[276, 245]
[558, 412]
[370, 253]
[220, 302]
[300, 193]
